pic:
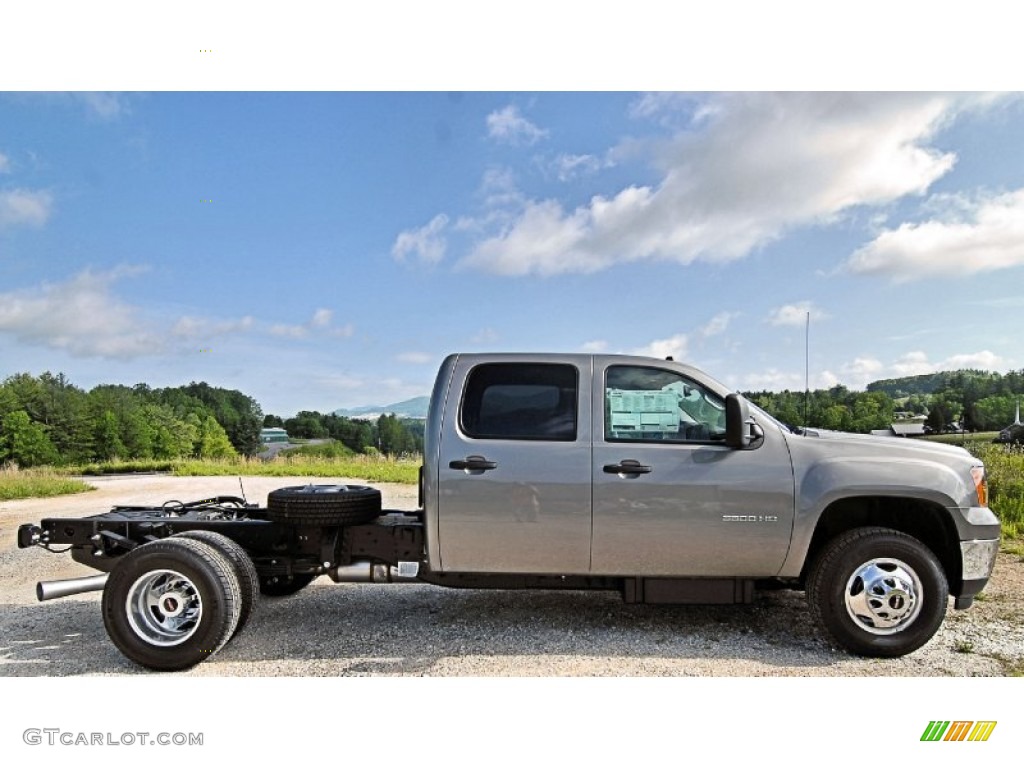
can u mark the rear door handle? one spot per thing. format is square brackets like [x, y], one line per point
[627, 467]
[473, 463]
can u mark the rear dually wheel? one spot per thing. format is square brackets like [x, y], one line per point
[171, 604]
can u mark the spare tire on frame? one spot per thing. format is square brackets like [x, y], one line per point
[325, 505]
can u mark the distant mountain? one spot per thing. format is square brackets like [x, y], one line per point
[407, 409]
[929, 383]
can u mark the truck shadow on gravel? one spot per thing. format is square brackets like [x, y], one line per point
[366, 630]
[402, 630]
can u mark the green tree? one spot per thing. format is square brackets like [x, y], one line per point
[192, 432]
[214, 442]
[137, 434]
[108, 438]
[995, 411]
[171, 438]
[872, 410]
[393, 437]
[940, 414]
[837, 417]
[25, 441]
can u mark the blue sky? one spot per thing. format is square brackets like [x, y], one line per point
[320, 250]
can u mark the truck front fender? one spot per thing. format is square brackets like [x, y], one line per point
[828, 481]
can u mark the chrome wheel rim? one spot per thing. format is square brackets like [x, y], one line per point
[164, 607]
[883, 596]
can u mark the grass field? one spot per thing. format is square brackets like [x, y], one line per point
[35, 483]
[305, 462]
[331, 450]
[371, 469]
[1005, 468]
[1004, 465]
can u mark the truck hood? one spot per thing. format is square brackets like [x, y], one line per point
[902, 445]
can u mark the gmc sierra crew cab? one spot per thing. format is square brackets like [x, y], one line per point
[638, 475]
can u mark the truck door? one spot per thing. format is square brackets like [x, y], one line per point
[670, 498]
[514, 470]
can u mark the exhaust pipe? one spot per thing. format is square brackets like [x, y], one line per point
[364, 571]
[51, 590]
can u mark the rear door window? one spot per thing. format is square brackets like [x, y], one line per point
[521, 401]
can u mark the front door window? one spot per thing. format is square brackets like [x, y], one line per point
[654, 405]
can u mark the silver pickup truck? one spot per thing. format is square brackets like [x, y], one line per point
[632, 474]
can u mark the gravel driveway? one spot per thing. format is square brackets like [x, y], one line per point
[371, 630]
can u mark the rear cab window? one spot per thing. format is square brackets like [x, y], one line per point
[521, 401]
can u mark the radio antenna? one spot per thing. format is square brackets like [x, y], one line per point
[807, 370]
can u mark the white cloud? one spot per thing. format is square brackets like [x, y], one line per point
[772, 380]
[320, 321]
[321, 318]
[595, 347]
[498, 189]
[912, 364]
[568, 167]
[82, 317]
[985, 360]
[104, 105]
[24, 207]
[5, 163]
[747, 169]
[795, 315]
[426, 243]
[856, 374]
[717, 325]
[485, 336]
[863, 370]
[508, 126]
[340, 381]
[917, 363]
[415, 358]
[967, 238]
[676, 347]
[193, 328]
[286, 331]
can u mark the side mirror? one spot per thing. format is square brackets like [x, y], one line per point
[737, 417]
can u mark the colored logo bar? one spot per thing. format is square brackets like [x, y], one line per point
[958, 730]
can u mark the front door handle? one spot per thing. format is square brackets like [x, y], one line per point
[627, 467]
[473, 463]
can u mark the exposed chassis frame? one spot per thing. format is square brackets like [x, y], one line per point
[277, 549]
[282, 550]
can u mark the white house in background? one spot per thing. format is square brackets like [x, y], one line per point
[273, 435]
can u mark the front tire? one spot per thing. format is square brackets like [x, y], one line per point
[171, 604]
[878, 592]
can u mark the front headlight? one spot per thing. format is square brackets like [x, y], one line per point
[980, 485]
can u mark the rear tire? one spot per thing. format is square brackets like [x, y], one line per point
[325, 505]
[878, 592]
[248, 579]
[171, 604]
